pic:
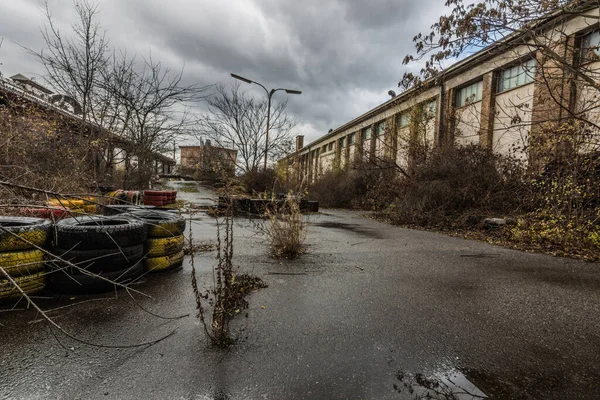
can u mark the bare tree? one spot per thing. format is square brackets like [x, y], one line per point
[74, 64]
[238, 121]
[151, 106]
[141, 102]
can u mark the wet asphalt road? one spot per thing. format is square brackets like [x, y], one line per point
[366, 301]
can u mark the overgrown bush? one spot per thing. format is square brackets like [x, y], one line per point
[259, 182]
[349, 188]
[452, 187]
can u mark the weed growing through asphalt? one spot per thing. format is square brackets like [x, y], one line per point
[227, 296]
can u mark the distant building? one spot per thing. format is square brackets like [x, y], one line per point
[22, 96]
[208, 161]
[31, 86]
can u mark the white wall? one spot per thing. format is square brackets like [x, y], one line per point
[511, 123]
[468, 122]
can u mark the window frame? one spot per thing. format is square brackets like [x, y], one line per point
[351, 138]
[530, 73]
[583, 60]
[458, 99]
[404, 115]
[379, 131]
[364, 137]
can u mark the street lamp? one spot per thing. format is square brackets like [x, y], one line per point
[269, 95]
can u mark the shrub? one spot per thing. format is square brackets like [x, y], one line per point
[455, 181]
[259, 182]
[287, 228]
[348, 188]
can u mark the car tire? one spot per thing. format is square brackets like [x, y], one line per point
[164, 246]
[160, 223]
[28, 283]
[99, 261]
[85, 284]
[164, 263]
[99, 232]
[17, 263]
[21, 233]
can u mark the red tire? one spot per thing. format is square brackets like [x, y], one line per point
[154, 203]
[163, 199]
[154, 192]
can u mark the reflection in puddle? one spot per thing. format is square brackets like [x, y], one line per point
[441, 385]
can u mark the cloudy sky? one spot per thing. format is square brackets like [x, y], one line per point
[343, 54]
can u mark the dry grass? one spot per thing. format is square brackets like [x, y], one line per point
[286, 229]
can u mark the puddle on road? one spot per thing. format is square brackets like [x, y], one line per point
[355, 228]
[440, 385]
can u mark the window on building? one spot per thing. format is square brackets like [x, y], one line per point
[330, 146]
[404, 119]
[469, 94]
[366, 134]
[324, 148]
[430, 108]
[590, 47]
[342, 142]
[516, 76]
[352, 138]
[380, 129]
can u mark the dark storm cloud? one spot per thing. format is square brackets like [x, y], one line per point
[343, 55]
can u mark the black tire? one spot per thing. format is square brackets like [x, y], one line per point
[95, 232]
[96, 261]
[84, 284]
[160, 223]
[20, 233]
[110, 210]
[313, 206]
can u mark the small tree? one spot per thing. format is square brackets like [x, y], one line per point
[238, 121]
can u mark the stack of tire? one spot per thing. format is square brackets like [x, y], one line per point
[20, 257]
[95, 252]
[159, 198]
[164, 247]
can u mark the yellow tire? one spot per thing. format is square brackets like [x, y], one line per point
[22, 262]
[164, 263]
[159, 247]
[27, 283]
[70, 203]
[20, 233]
[89, 208]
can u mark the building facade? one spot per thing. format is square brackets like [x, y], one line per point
[207, 160]
[508, 97]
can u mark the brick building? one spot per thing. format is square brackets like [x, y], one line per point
[208, 161]
[506, 97]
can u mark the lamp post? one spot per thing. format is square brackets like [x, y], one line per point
[270, 94]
